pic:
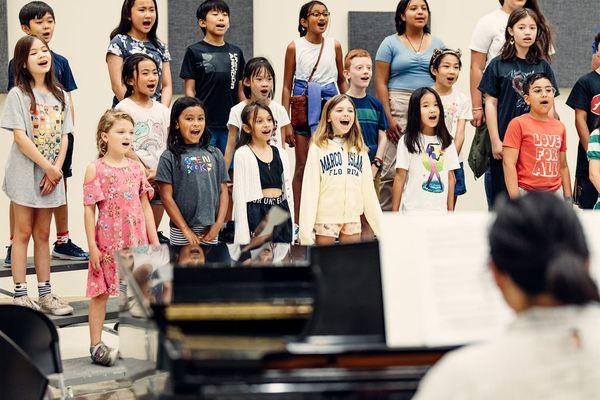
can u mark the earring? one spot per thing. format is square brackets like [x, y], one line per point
[512, 41]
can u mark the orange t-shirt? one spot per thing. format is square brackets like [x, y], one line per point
[540, 144]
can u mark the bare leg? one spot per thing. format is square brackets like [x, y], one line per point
[41, 246]
[301, 149]
[366, 231]
[349, 238]
[11, 219]
[97, 314]
[157, 211]
[23, 217]
[61, 215]
[324, 240]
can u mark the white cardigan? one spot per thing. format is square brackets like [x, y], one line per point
[247, 187]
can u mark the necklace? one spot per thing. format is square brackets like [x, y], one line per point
[264, 162]
[417, 51]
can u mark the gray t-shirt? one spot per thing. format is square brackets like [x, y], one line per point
[45, 129]
[196, 182]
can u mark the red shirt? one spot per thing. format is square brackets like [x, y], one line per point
[540, 144]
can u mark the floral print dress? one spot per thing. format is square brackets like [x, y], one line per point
[121, 223]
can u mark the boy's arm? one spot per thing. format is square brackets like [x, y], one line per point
[459, 138]
[382, 142]
[451, 184]
[509, 164]
[398, 188]
[167, 84]
[240, 89]
[189, 87]
[582, 129]
[566, 176]
[115, 66]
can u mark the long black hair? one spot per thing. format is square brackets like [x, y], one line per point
[175, 142]
[249, 114]
[125, 23]
[304, 10]
[130, 69]
[413, 125]
[401, 9]
[538, 241]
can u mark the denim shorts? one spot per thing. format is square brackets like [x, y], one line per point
[460, 187]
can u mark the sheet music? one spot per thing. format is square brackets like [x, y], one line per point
[442, 292]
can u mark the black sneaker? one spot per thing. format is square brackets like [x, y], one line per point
[69, 251]
[8, 251]
[162, 239]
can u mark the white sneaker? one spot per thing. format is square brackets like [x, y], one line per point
[52, 304]
[26, 301]
[101, 354]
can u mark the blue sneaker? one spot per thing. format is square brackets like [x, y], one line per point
[8, 251]
[69, 251]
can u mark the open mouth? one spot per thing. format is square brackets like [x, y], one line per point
[451, 79]
[544, 102]
[147, 24]
[365, 78]
[266, 132]
[322, 24]
[221, 26]
[345, 123]
[264, 92]
[433, 117]
[46, 35]
[151, 86]
[43, 63]
[195, 132]
[126, 144]
[420, 19]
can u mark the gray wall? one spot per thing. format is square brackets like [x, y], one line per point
[3, 47]
[184, 31]
[574, 27]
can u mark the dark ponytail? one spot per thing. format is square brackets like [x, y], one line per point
[538, 241]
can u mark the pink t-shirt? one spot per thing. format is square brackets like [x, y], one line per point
[540, 144]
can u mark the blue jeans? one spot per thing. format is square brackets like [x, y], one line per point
[218, 138]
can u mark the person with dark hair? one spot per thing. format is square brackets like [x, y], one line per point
[192, 177]
[584, 99]
[313, 67]
[38, 114]
[426, 158]
[502, 84]
[212, 70]
[486, 42]
[535, 145]
[540, 262]
[136, 33]
[402, 66]
[262, 178]
[151, 121]
[37, 18]
[259, 85]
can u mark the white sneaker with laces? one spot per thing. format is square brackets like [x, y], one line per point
[52, 304]
[26, 301]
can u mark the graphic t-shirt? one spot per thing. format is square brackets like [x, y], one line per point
[426, 186]
[540, 144]
[372, 119]
[125, 45]
[457, 106]
[196, 179]
[585, 95]
[44, 128]
[504, 81]
[150, 130]
[279, 114]
[216, 71]
[62, 73]
[593, 153]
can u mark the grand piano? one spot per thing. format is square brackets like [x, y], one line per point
[309, 328]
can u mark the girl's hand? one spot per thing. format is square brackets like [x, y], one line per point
[478, 118]
[497, 149]
[190, 236]
[374, 170]
[54, 174]
[46, 186]
[95, 256]
[290, 139]
[211, 234]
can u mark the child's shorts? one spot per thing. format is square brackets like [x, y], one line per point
[257, 210]
[460, 186]
[334, 230]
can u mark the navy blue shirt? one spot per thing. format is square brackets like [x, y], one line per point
[62, 72]
[503, 79]
[372, 119]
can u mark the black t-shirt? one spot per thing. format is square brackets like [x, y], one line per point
[586, 96]
[217, 71]
[504, 81]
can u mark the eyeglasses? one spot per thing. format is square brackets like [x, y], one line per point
[538, 91]
[318, 14]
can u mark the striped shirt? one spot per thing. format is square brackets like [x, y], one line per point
[177, 237]
[593, 153]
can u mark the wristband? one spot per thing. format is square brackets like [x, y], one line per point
[377, 162]
[477, 109]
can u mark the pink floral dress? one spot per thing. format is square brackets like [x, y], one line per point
[121, 223]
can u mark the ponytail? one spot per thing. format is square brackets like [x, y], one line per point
[568, 280]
